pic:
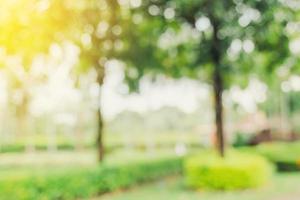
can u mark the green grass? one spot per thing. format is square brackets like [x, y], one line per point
[24, 164]
[282, 187]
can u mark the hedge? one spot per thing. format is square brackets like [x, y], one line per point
[14, 148]
[86, 182]
[235, 171]
[286, 156]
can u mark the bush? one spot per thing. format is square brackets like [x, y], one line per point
[286, 156]
[85, 183]
[235, 171]
[242, 139]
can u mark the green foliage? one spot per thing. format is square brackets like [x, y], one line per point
[294, 104]
[236, 171]
[286, 156]
[30, 19]
[241, 139]
[85, 183]
[182, 46]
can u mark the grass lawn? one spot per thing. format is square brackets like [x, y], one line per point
[282, 187]
[24, 164]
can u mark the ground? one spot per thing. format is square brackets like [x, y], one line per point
[282, 187]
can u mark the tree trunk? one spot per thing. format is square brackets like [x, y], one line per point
[218, 91]
[100, 123]
[100, 145]
[218, 85]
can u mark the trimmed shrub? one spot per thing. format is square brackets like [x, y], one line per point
[235, 171]
[285, 156]
[87, 182]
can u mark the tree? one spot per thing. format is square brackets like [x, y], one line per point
[92, 25]
[28, 28]
[99, 30]
[221, 42]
